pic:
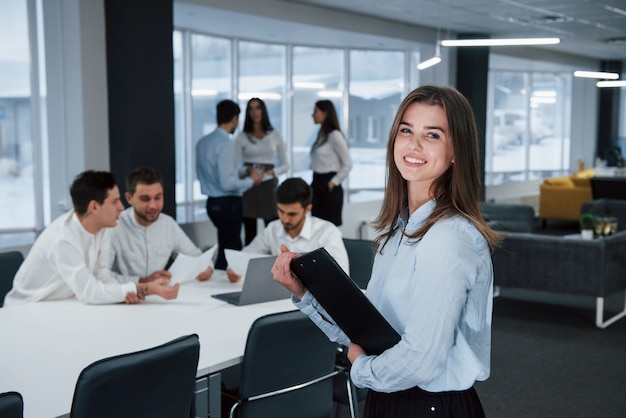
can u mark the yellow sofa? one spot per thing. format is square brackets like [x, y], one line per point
[561, 197]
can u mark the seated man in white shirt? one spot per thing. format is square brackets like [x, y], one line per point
[70, 257]
[144, 239]
[296, 227]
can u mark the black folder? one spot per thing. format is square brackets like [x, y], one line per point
[344, 301]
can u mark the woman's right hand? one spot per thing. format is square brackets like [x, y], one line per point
[282, 272]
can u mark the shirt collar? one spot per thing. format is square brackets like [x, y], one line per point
[307, 229]
[418, 217]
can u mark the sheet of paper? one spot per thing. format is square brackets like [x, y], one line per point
[238, 260]
[185, 268]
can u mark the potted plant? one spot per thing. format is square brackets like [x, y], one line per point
[587, 222]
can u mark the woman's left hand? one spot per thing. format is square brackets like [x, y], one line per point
[355, 351]
[331, 186]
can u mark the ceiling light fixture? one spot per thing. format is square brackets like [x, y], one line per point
[500, 42]
[613, 83]
[596, 74]
[431, 61]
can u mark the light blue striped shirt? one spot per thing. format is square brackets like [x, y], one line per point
[437, 294]
[216, 167]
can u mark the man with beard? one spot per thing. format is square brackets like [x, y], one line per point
[145, 239]
[70, 256]
[297, 228]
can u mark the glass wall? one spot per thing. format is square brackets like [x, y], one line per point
[377, 86]
[528, 126]
[17, 173]
[365, 86]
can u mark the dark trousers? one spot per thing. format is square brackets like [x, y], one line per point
[326, 204]
[250, 228]
[226, 213]
[417, 403]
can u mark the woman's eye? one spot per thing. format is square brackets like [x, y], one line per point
[432, 135]
[405, 130]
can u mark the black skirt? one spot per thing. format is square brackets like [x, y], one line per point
[327, 204]
[417, 403]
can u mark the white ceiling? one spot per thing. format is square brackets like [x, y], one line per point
[590, 29]
[595, 29]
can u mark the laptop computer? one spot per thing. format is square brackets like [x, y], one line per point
[258, 286]
[344, 301]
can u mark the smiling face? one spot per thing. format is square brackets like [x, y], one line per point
[422, 147]
[147, 202]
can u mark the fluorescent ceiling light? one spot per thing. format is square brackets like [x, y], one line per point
[260, 95]
[500, 42]
[309, 85]
[596, 74]
[203, 92]
[615, 83]
[330, 94]
[428, 63]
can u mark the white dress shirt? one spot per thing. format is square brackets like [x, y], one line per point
[437, 294]
[332, 156]
[138, 251]
[67, 261]
[315, 233]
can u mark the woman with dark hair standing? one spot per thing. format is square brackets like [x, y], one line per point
[432, 277]
[260, 147]
[330, 162]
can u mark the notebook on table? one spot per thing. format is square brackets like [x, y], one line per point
[344, 301]
[258, 286]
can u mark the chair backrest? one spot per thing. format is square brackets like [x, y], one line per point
[10, 262]
[361, 257]
[11, 405]
[284, 350]
[157, 382]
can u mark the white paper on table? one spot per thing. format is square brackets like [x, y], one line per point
[185, 268]
[238, 260]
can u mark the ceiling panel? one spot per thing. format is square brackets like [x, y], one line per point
[585, 26]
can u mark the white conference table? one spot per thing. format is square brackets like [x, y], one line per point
[45, 345]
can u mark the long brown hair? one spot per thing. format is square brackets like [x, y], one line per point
[457, 190]
[330, 123]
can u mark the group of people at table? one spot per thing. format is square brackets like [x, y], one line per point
[432, 277]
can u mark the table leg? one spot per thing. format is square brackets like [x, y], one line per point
[215, 395]
[201, 398]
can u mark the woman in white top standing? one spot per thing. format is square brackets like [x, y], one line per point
[260, 147]
[330, 162]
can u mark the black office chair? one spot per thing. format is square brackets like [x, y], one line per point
[157, 382]
[10, 262]
[361, 257]
[11, 405]
[287, 370]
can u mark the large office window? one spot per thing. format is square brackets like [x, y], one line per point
[18, 174]
[366, 87]
[377, 86]
[528, 126]
[318, 74]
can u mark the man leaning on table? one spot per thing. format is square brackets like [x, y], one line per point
[70, 257]
[296, 227]
[144, 239]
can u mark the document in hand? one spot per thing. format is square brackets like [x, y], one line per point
[344, 301]
[185, 268]
[238, 260]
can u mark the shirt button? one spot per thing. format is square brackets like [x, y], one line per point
[432, 409]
